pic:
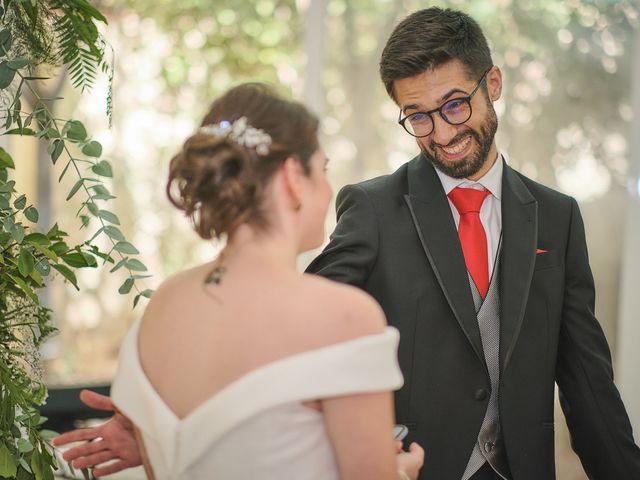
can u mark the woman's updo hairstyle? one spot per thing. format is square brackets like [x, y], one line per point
[218, 181]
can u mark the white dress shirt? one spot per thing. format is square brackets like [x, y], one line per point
[490, 212]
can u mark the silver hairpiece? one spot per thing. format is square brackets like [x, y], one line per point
[242, 133]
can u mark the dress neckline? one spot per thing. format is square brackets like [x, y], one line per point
[132, 339]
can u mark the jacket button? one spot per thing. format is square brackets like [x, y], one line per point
[481, 394]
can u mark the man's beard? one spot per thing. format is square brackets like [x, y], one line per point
[470, 165]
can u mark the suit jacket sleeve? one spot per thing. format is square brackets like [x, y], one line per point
[601, 433]
[353, 247]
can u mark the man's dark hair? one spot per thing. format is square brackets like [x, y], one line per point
[429, 38]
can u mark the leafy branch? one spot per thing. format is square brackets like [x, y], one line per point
[54, 33]
[47, 127]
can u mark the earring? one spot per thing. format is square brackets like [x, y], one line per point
[297, 206]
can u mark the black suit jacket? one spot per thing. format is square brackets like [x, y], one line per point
[396, 239]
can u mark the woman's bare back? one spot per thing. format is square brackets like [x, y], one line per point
[197, 338]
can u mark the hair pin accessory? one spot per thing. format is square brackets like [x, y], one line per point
[242, 133]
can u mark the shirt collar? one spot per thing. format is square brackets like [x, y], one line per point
[492, 180]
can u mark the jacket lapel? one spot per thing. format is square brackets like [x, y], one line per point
[520, 232]
[436, 229]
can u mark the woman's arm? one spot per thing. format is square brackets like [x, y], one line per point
[361, 431]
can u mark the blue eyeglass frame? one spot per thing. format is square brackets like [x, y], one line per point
[430, 113]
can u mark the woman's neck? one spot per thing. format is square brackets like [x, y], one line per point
[264, 248]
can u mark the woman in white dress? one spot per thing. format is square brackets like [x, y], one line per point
[243, 368]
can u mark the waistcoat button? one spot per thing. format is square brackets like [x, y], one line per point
[481, 394]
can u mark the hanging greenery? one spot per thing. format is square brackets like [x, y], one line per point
[38, 36]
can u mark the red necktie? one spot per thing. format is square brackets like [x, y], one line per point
[472, 236]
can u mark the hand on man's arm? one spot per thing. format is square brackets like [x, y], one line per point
[113, 440]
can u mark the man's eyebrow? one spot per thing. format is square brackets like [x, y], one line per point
[451, 92]
[411, 106]
[441, 100]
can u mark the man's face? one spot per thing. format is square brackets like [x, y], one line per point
[460, 151]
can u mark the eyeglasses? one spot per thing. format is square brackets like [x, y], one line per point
[455, 112]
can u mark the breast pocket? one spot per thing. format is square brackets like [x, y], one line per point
[546, 260]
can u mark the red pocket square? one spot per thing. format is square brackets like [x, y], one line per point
[540, 250]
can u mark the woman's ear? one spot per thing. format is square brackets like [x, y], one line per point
[293, 175]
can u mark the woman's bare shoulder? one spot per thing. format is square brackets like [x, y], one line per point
[346, 311]
[176, 289]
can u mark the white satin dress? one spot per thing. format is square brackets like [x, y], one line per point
[256, 427]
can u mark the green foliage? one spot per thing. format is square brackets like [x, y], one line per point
[31, 35]
[56, 33]
[79, 40]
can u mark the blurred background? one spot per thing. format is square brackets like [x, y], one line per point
[569, 118]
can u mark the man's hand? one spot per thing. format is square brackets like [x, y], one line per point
[113, 440]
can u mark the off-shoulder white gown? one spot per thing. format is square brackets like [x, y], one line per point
[256, 427]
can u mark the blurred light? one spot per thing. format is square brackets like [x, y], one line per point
[389, 110]
[523, 91]
[565, 36]
[570, 136]
[588, 15]
[84, 312]
[336, 7]
[286, 73]
[265, 8]
[625, 111]
[342, 150]
[609, 44]
[194, 39]
[618, 164]
[302, 5]
[521, 114]
[214, 55]
[544, 87]
[229, 31]
[512, 58]
[615, 144]
[336, 96]
[582, 176]
[226, 17]
[583, 46]
[330, 126]
[609, 65]
[269, 56]
[130, 23]
[270, 37]
[283, 13]
[207, 25]
[535, 70]
[367, 43]
[197, 74]
[253, 28]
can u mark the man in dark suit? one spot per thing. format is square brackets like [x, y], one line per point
[484, 272]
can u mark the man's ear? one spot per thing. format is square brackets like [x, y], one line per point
[494, 83]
